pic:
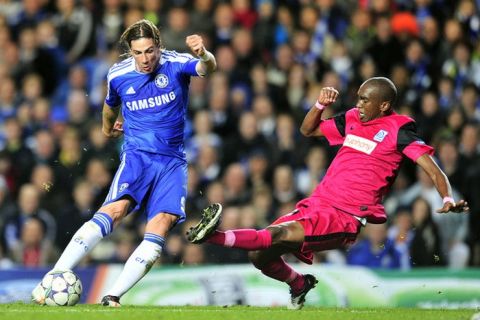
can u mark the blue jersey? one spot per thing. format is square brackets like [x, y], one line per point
[153, 104]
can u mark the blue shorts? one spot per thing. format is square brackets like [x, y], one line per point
[156, 182]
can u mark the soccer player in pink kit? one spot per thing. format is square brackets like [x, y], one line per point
[374, 141]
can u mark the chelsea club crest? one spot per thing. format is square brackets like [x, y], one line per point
[161, 80]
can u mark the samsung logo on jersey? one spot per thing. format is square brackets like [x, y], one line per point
[151, 102]
[359, 143]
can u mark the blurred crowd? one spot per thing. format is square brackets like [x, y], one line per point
[242, 140]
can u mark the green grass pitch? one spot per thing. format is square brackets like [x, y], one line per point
[96, 312]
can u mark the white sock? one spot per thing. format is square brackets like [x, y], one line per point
[136, 267]
[82, 243]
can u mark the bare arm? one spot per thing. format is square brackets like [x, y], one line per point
[111, 127]
[207, 63]
[311, 123]
[442, 184]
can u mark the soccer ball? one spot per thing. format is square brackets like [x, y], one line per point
[58, 288]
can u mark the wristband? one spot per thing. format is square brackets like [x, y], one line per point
[448, 199]
[206, 56]
[319, 106]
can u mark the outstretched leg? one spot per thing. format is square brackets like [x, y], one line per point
[266, 248]
[86, 238]
[289, 233]
[90, 234]
[142, 259]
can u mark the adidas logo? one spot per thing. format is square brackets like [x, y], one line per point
[130, 91]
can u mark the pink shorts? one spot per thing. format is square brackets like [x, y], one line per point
[325, 227]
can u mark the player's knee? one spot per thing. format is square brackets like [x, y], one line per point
[279, 234]
[115, 216]
[287, 233]
[161, 223]
[116, 210]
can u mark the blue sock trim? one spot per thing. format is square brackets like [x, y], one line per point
[104, 221]
[154, 238]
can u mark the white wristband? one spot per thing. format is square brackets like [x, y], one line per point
[319, 106]
[448, 199]
[206, 56]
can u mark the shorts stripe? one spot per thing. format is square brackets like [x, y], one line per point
[114, 189]
[330, 236]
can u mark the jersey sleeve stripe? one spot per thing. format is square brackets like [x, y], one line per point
[406, 135]
[176, 57]
[340, 123]
[121, 64]
[120, 71]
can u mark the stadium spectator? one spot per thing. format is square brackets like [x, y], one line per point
[385, 49]
[177, 28]
[236, 190]
[243, 13]
[7, 207]
[69, 164]
[258, 170]
[224, 20]
[17, 151]
[72, 215]
[34, 248]
[28, 206]
[284, 141]
[449, 160]
[469, 102]
[108, 26]
[203, 135]
[52, 196]
[425, 248]
[9, 99]
[264, 30]
[348, 197]
[315, 168]
[359, 33]
[429, 115]
[401, 234]
[223, 119]
[284, 190]
[215, 191]
[152, 174]
[200, 17]
[446, 93]
[75, 27]
[194, 200]
[452, 228]
[25, 14]
[237, 148]
[100, 147]
[263, 110]
[77, 80]
[375, 250]
[208, 164]
[97, 173]
[35, 59]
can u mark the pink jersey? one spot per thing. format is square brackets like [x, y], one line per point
[368, 161]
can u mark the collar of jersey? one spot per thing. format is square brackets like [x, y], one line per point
[371, 122]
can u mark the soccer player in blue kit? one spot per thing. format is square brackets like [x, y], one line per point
[150, 87]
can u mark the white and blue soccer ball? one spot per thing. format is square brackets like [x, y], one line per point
[58, 288]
